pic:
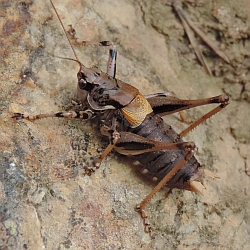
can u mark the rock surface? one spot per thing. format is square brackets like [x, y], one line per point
[46, 200]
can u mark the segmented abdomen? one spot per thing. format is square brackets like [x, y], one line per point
[156, 165]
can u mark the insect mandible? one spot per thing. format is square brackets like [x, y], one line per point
[134, 127]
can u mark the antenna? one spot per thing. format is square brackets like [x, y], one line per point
[64, 30]
[70, 59]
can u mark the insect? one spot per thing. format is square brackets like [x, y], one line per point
[134, 127]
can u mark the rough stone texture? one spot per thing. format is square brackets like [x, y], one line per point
[46, 200]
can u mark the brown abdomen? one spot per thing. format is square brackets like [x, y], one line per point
[156, 165]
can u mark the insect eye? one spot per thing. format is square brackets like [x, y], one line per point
[101, 90]
[82, 84]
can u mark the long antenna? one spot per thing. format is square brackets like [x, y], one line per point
[70, 59]
[64, 30]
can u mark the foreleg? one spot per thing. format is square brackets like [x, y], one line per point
[85, 115]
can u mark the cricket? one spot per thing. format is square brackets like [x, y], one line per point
[133, 124]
